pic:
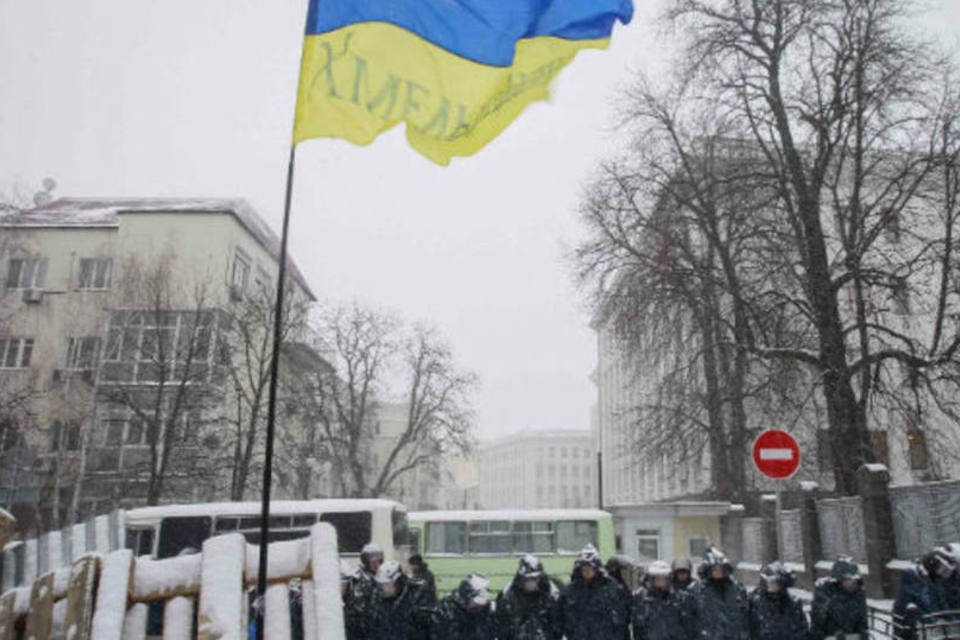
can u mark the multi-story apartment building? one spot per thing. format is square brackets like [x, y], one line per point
[115, 317]
[532, 470]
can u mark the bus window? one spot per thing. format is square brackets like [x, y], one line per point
[177, 534]
[572, 536]
[533, 537]
[401, 528]
[490, 537]
[447, 537]
[140, 541]
[415, 541]
[354, 529]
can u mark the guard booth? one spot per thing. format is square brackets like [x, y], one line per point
[664, 531]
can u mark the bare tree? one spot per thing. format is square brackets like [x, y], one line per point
[370, 349]
[247, 348]
[850, 197]
[160, 371]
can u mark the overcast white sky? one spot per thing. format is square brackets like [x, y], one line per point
[195, 98]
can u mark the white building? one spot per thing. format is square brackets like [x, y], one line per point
[75, 323]
[532, 470]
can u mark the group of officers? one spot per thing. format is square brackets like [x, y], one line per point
[382, 602]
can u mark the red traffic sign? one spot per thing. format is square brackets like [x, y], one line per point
[776, 454]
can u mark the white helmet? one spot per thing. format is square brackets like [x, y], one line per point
[389, 572]
[659, 569]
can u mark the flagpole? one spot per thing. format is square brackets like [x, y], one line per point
[272, 399]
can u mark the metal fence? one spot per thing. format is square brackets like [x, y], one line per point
[841, 528]
[23, 561]
[925, 516]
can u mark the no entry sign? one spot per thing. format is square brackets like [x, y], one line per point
[776, 454]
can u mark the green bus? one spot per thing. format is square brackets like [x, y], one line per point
[457, 543]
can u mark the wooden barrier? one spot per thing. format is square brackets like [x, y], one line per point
[108, 596]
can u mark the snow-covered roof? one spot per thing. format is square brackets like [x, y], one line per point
[150, 515]
[65, 213]
[508, 514]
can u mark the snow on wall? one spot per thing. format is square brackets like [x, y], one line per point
[284, 559]
[326, 582]
[112, 592]
[277, 612]
[135, 622]
[178, 619]
[155, 579]
[309, 603]
[221, 598]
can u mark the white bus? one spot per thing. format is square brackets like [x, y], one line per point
[166, 531]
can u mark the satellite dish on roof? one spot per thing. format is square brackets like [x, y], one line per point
[41, 198]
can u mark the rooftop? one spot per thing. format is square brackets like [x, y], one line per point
[66, 213]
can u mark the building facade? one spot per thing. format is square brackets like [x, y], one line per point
[115, 323]
[534, 470]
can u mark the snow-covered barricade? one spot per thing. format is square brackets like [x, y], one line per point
[108, 596]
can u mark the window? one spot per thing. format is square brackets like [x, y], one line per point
[354, 529]
[447, 537]
[113, 436]
[179, 534]
[140, 541]
[401, 528]
[9, 435]
[917, 450]
[563, 453]
[648, 545]
[878, 444]
[26, 273]
[262, 282]
[697, 546]
[490, 537]
[240, 273]
[15, 353]
[136, 434]
[572, 536]
[64, 437]
[95, 273]
[533, 537]
[105, 460]
[82, 353]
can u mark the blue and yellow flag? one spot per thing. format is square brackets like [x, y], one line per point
[456, 71]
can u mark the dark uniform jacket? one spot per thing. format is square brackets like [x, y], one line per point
[718, 610]
[595, 610]
[529, 616]
[777, 617]
[837, 611]
[453, 621]
[660, 615]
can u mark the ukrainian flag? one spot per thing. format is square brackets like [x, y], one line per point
[457, 72]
